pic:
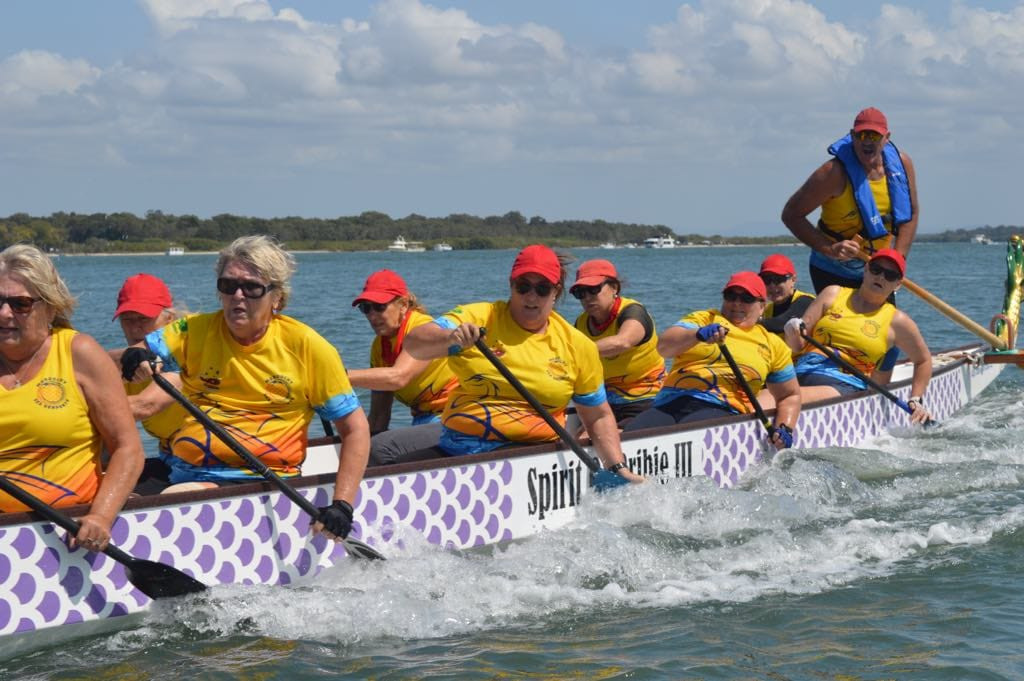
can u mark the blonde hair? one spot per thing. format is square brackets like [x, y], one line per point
[265, 255]
[36, 271]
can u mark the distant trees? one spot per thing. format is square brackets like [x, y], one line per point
[126, 232]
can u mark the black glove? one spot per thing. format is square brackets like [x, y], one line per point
[337, 518]
[132, 359]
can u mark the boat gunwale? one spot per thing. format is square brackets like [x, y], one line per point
[515, 452]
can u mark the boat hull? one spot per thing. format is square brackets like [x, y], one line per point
[253, 535]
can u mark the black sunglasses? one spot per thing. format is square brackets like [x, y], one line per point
[774, 279]
[365, 307]
[250, 289]
[732, 296]
[19, 304]
[879, 271]
[543, 289]
[579, 292]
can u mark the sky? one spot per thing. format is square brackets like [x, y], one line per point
[704, 116]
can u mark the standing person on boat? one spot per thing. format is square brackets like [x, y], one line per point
[868, 198]
[861, 326]
[261, 375]
[553, 360]
[701, 384]
[784, 300]
[421, 385]
[625, 336]
[61, 402]
[144, 304]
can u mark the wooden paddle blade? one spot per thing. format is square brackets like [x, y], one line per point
[358, 549]
[157, 580]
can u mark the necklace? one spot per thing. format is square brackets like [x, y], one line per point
[14, 372]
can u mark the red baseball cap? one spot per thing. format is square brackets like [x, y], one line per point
[893, 255]
[776, 263]
[871, 119]
[537, 259]
[382, 286]
[749, 282]
[594, 272]
[143, 293]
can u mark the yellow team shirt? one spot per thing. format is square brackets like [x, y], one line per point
[635, 374]
[556, 366]
[841, 216]
[428, 392]
[769, 308]
[862, 339]
[703, 372]
[264, 394]
[48, 445]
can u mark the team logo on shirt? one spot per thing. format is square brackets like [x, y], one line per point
[870, 328]
[51, 393]
[210, 378]
[557, 369]
[278, 389]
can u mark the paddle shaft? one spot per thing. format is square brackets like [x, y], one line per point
[746, 389]
[57, 518]
[589, 459]
[834, 356]
[354, 547]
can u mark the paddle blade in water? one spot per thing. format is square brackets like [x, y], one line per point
[605, 480]
[157, 580]
[358, 549]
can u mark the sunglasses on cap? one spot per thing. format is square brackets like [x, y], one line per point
[879, 271]
[366, 307]
[579, 292]
[542, 289]
[868, 136]
[250, 289]
[19, 304]
[774, 279]
[732, 295]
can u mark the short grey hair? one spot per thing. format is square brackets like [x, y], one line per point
[265, 255]
[36, 271]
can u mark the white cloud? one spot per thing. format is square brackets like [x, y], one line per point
[29, 75]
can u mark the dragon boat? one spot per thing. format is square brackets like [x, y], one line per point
[254, 535]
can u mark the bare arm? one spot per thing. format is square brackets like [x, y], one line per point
[787, 402]
[908, 338]
[604, 436]
[380, 410]
[631, 332]
[827, 182]
[675, 340]
[355, 451]
[101, 386]
[909, 229]
[811, 316]
[405, 369]
[153, 398]
[430, 341]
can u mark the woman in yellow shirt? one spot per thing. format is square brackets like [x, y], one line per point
[61, 402]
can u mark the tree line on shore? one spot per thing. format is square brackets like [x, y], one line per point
[127, 233]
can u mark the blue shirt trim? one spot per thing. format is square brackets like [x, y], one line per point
[338, 406]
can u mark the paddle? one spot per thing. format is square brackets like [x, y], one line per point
[603, 479]
[354, 547]
[834, 356]
[156, 580]
[741, 379]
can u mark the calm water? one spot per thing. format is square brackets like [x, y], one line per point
[899, 560]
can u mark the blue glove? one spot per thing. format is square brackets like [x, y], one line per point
[785, 434]
[132, 358]
[705, 333]
[337, 518]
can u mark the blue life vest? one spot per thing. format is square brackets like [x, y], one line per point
[874, 225]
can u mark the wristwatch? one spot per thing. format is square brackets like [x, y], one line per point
[618, 467]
